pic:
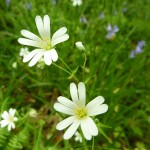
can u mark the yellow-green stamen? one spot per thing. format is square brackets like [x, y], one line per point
[11, 118]
[45, 44]
[81, 113]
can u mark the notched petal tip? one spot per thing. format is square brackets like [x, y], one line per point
[37, 17]
[106, 107]
[46, 16]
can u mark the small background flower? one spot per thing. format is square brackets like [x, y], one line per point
[138, 50]
[79, 45]
[111, 31]
[78, 137]
[24, 51]
[8, 119]
[76, 2]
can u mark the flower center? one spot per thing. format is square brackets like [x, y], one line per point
[81, 113]
[45, 44]
[11, 119]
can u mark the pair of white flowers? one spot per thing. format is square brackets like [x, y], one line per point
[80, 113]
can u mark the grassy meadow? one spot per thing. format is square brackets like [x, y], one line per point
[105, 67]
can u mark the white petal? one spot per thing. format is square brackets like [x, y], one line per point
[30, 35]
[71, 130]
[82, 93]
[73, 92]
[100, 109]
[28, 42]
[15, 118]
[9, 127]
[47, 58]
[95, 102]
[5, 115]
[64, 109]
[12, 111]
[91, 126]
[59, 39]
[65, 101]
[40, 26]
[30, 55]
[85, 130]
[4, 123]
[65, 123]
[12, 125]
[35, 59]
[47, 26]
[54, 55]
[59, 33]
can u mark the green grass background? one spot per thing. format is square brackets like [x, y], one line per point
[123, 82]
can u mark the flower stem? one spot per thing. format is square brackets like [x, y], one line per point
[83, 67]
[65, 64]
[93, 144]
[70, 73]
[84, 144]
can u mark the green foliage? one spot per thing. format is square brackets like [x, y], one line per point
[13, 141]
[3, 137]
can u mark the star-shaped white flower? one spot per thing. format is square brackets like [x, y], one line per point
[80, 113]
[44, 43]
[77, 2]
[24, 52]
[8, 119]
[78, 137]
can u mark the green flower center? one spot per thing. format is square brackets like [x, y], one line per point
[81, 113]
[45, 44]
[11, 119]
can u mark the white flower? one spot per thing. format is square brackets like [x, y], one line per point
[80, 46]
[24, 52]
[77, 2]
[8, 119]
[41, 63]
[14, 64]
[32, 113]
[80, 113]
[111, 31]
[44, 43]
[78, 137]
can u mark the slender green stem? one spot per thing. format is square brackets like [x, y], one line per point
[38, 135]
[65, 64]
[70, 73]
[84, 143]
[93, 144]
[61, 68]
[85, 59]
[83, 67]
